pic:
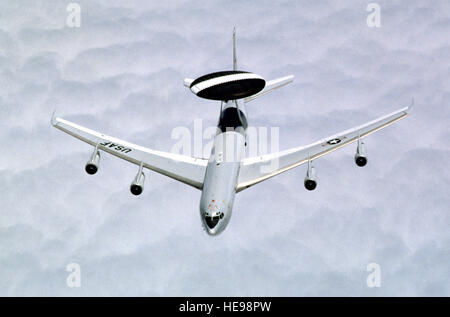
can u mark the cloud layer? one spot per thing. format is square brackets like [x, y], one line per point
[121, 72]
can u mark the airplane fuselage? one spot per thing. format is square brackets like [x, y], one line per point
[222, 172]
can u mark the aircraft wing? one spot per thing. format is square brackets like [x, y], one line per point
[185, 169]
[257, 169]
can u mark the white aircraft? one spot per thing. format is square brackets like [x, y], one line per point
[227, 171]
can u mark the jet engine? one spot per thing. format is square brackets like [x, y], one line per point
[137, 186]
[361, 156]
[310, 179]
[92, 165]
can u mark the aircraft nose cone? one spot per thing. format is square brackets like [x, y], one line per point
[211, 222]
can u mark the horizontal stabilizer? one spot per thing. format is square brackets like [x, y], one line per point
[271, 85]
[188, 82]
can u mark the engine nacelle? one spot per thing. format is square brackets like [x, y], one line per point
[92, 165]
[360, 160]
[137, 186]
[310, 179]
[136, 189]
[361, 156]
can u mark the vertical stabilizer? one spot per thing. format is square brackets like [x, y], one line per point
[234, 49]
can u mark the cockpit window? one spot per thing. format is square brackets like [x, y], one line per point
[211, 222]
[231, 119]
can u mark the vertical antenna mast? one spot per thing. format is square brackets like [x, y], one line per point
[234, 49]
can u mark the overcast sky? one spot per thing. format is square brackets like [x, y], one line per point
[122, 73]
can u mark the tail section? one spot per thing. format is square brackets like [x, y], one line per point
[271, 85]
[187, 82]
[232, 85]
[234, 49]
